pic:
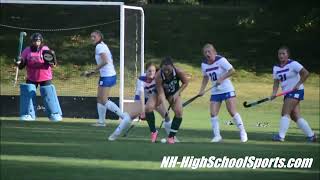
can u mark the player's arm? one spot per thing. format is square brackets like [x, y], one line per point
[226, 75]
[21, 62]
[304, 74]
[275, 88]
[204, 83]
[159, 86]
[182, 75]
[230, 70]
[104, 61]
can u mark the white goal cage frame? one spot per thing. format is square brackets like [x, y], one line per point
[122, 31]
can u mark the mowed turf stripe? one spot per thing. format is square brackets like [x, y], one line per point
[137, 165]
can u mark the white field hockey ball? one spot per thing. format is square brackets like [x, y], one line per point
[163, 140]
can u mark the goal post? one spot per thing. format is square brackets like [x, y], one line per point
[137, 47]
[122, 99]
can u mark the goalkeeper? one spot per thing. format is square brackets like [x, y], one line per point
[39, 61]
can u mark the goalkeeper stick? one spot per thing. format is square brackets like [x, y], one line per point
[22, 34]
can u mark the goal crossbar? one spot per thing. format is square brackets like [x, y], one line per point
[94, 3]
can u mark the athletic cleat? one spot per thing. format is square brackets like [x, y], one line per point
[170, 140]
[113, 136]
[243, 137]
[312, 138]
[277, 138]
[154, 136]
[98, 124]
[27, 118]
[216, 139]
[55, 117]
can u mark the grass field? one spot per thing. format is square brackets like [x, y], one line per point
[73, 149]
[247, 35]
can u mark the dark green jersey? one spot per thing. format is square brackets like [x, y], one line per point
[170, 85]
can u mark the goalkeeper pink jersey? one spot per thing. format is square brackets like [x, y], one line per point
[37, 69]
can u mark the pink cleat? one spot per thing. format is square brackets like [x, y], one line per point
[170, 140]
[154, 136]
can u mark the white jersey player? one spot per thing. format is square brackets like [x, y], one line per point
[107, 80]
[217, 69]
[290, 75]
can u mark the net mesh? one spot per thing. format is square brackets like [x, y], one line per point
[66, 30]
[132, 49]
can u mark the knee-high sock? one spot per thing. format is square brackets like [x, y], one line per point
[176, 122]
[215, 126]
[238, 121]
[304, 126]
[167, 126]
[101, 112]
[151, 121]
[114, 108]
[284, 126]
[124, 124]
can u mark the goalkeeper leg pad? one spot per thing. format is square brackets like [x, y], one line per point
[27, 102]
[51, 102]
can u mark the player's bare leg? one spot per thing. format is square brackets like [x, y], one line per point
[149, 107]
[214, 111]
[102, 97]
[177, 119]
[161, 109]
[288, 106]
[302, 124]
[232, 109]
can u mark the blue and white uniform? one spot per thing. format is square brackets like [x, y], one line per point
[214, 71]
[149, 87]
[108, 76]
[289, 76]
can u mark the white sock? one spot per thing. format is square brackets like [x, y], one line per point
[101, 112]
[215, 126]
[238, 121]
[284, 126]
[304, 126]
[167, 126]
[124, 124]
[114, 108]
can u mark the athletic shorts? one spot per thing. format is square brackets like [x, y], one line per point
[42, 83]
[299, 95]
[107, 81]
[222, 97]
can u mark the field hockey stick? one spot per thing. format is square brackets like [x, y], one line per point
[246, 105]
[87, 73]
[196, 96]
[165, 116]
[22, 34]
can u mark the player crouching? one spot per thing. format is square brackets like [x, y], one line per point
[168, 80]
[38, 60]
[145, 102]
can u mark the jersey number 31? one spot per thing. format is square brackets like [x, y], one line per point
[282, 77]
